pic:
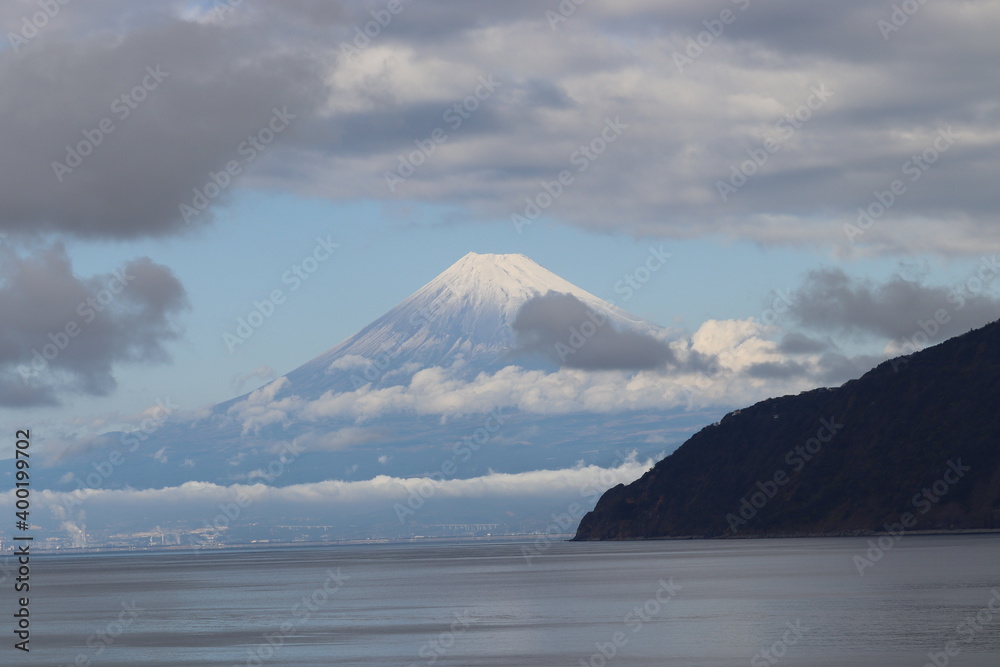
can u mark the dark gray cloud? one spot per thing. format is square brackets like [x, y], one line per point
[835, 368]
[62, 333]
[568, 332]
[193, 94]
[829, 300]
[799, 343]
[891, 97]
[776, 370]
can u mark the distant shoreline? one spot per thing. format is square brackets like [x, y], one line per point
[187, 548]
[785, 536]
[566, 537]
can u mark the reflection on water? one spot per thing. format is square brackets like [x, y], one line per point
[740, 602]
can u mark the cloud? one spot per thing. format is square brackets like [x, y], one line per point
[568, 332]
[65, 334]
[199, 502]
[799, 343]
[888, 99]
[261, 408]
[259, 374]
[834, 368]
[770, 370]
[214, 85]
[881, 106]
[831, 301]
[436, 392]
[337, 440]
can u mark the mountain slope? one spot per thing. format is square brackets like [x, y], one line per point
[464, 313]
[916, 436]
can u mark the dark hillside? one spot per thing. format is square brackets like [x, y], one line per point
[917, 435]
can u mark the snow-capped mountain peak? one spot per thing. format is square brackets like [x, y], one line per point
[465, 313]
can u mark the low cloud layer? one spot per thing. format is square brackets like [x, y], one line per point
[64, 334]
[377, 499]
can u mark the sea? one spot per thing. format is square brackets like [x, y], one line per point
[906, 600]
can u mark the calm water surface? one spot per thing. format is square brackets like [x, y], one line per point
[646, 603]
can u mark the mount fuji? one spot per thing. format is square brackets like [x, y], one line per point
[436, 384]
[465, 313]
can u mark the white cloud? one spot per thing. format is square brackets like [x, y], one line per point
[687, 126]
[200, 502]
[724, 363]
[337, 440]
[261, 409]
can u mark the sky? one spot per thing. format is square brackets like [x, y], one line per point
[182, 161]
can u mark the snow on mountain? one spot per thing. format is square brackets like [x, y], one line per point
[454, 335]
[460, 323]
[464, 313]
